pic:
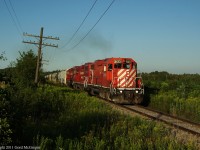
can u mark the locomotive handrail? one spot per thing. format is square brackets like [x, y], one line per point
[111, 88]
[85, 82]
[92, 75]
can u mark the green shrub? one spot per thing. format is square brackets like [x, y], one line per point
[5, 132]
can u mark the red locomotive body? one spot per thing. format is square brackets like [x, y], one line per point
[69, 76]
[115, 79]
[88, 74]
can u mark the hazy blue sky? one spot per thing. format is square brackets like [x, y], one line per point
[161, 35]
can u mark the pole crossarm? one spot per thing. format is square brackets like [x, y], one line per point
[44, 37]
[52, 45]
[30, 42]
[43, 44]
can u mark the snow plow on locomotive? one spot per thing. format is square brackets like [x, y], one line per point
[115, 79]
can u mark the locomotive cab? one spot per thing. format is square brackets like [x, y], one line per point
[125, 84]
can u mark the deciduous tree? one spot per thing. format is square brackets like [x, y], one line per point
[25, 68]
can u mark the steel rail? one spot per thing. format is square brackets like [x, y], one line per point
[159, 118]
[165, 121]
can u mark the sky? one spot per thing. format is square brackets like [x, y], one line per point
[160, 35]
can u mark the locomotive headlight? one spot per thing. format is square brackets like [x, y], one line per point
[120, 91]
[136, 91]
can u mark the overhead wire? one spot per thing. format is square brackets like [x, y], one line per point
[16, 16]
[80, 25]
[92, 27]
[13, 20]
[72, 37]
[16, 23]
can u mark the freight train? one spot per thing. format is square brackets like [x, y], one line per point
[115, 79]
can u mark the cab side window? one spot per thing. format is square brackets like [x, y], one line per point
[134, 65]
[110, 67]
[92, 67]
[86, 68]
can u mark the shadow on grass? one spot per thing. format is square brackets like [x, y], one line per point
[69, 127]
[147, 95]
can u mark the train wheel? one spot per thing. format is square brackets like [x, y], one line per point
[102, 94]
[107, 96]
[92, 92]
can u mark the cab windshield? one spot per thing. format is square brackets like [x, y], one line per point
[118, 65]
[126, 66]
[123, 64]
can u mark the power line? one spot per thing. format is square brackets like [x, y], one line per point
[16, 16]
[80, 25]
[13, 20]
[16, 24]
[92, 27]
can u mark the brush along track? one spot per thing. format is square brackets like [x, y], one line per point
[178, 123]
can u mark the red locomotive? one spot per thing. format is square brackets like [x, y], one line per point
[115, 79]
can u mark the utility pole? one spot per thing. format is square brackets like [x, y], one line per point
[40, 44]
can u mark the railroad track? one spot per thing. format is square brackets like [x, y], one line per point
[178, 123]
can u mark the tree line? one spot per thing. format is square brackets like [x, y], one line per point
[175, 94]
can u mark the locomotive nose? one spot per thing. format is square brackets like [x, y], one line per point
[126, 78]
